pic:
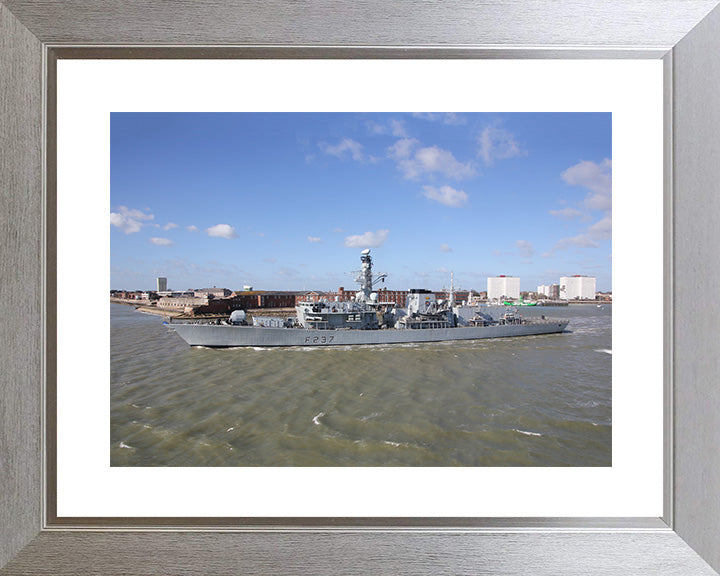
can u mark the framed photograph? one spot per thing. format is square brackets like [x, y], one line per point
[652, 512]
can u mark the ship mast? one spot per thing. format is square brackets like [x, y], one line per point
[365, 278]
[451, 299]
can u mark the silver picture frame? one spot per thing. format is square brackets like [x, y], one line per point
[685, 34]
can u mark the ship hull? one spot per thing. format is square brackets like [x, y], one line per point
[224, 336]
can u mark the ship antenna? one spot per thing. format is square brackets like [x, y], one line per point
[452, 289]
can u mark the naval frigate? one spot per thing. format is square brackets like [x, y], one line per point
[368, 320]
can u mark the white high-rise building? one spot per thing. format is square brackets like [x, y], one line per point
[162, 284]
[551, 291]
[499, 287]
[577, 287]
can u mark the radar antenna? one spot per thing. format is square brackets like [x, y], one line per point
[365, 277]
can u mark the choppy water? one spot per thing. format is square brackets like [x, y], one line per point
[527, 401]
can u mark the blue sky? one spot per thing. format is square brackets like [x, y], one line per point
[286, 201]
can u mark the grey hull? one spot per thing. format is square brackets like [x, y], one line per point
[213, 335]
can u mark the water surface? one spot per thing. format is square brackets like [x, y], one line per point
[526, 401]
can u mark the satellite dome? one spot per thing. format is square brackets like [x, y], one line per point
[237, 317]
[366, 251]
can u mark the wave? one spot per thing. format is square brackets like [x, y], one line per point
[526, 432]
[397, 444]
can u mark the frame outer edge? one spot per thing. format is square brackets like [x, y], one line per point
[540, 554]
[696, 112]
[582, 23]
[20, 169]
[21, 334]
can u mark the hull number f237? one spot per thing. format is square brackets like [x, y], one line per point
[319, 339]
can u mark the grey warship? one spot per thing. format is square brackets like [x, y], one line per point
[366, 320]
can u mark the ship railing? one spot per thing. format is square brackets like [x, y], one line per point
[427, 324]
[318, 325]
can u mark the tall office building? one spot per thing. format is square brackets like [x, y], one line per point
[577, 287]
[500, 287]
[161, 284]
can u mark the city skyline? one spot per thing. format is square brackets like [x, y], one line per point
[286, 201]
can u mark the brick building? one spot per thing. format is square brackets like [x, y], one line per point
[249, 299]
[182, 302]
[399, 297]
[312, 296]
[126, 294]
[212, 292]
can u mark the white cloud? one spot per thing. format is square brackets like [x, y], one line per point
[496, 144]
[454, 119]
[129, 221]
[367, 240]
[222, 231]
[526, 248]
[595, 177]
[598, 179]
[431, 116]
[580, 241]
[601, 228]
[451, 118]
[397, 128]
[161, 241]
[346, 146]
[375, 128]
[169, 226]
[314, 239]
[414, 163]
[402, 148]
[436, 159]
[567, 213]
[445, 195]
[445, 248]
[192, 228]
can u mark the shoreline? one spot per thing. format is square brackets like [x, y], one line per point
[180, 314]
